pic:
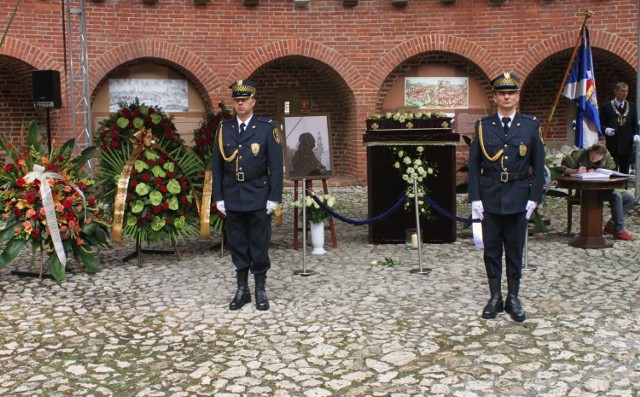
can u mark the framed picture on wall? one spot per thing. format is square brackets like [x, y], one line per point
[307, 151]
[437, 92]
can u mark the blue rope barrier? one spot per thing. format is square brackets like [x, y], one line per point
[446, 213]
[375, 219]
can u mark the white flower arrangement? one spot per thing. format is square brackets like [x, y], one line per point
[413, 166]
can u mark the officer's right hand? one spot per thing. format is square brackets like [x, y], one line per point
[609, 131]
[220, 207]
[477, 210]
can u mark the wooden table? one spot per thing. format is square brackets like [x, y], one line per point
[591, 198]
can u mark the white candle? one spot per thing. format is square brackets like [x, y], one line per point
[414, 240]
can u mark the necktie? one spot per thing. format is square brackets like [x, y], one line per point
[505, 124]
[242, 128]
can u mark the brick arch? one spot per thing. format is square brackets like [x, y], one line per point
[29, 54]
[190, 63]
[432, 42]
[566, 40]
[306, 48]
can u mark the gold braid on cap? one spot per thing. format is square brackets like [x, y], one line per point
[484, 151]
[239, 87]
[506, 80]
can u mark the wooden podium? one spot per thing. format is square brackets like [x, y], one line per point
[385, 186]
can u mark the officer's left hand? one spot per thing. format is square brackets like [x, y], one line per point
[636, 138]
[531, 205]
[271, 206]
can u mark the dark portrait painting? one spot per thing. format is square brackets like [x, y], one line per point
[308, 149]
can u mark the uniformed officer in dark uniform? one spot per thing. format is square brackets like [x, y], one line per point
[506, 177]
[619, 122]
[247, 187]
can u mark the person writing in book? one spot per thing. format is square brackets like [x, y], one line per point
[619, 122]
[588, 160]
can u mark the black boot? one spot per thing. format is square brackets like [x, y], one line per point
[495, 304]
[512, 303]
[242, 294]
[262, 303]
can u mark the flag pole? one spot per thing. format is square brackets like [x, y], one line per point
[587, 14]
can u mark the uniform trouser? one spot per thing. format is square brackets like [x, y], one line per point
[248, 234]
[508, 232]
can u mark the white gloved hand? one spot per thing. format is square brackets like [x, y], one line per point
[531, 205]
[271, 206]
[609, 131]
[477, 210]
[220, 207]
[636, 138]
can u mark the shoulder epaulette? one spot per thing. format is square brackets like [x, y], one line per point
[530, 117]
[487, 117]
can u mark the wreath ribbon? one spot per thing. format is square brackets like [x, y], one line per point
[39, 174]
[205, 207]
[143, 140]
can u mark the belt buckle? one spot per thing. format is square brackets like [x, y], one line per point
[240, 176]
[504, 177]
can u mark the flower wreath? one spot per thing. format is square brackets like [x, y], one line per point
[146, 173]
[48, 201]
[412, 164]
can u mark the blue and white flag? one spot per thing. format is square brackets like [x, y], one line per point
[581, 87]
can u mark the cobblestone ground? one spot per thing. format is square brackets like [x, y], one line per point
[352, 329]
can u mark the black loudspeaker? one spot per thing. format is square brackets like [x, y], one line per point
[46, 89]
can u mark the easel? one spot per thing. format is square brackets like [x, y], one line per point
[296, 217]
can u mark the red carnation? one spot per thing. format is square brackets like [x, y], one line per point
[165, 206]
[150, 162]
[67, 202]
[20, 182]
[148, 216]
[114, 144]
[91, 201]
[17, 213]
[8, 167]
[168, 221]
[158, 181]
[183, 185]
[156, 209]
[145, 177]
[70, 216]
[136, 112]
[134, 171]
[133, 183]
[114, 135]
[35, 233]
[170, 174]
[163, 189]
[162, 160]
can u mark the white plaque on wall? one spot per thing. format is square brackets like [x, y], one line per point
[169, 95]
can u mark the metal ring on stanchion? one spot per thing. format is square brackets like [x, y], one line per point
[304, 271]
[420, 269]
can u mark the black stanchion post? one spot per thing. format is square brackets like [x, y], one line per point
[525, 254]
[303, 198]
[420, 269]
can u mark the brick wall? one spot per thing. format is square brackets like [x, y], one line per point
[342, 59]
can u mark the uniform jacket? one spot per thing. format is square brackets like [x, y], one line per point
[523, 153]
[622, 142]
[259, 155]
[580, 158]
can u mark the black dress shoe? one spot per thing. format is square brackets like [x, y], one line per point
[513, 307]
[241, 298]
[493, 307]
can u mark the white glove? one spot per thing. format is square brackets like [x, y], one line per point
[477, 210]
[636, 138]
[220, 206]
[271, 206]
[609, 131]
[531, 205]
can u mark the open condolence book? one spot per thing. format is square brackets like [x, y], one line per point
[599, 173]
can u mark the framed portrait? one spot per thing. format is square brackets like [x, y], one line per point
[307, 151]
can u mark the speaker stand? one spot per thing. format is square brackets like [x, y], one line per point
[49, 130]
